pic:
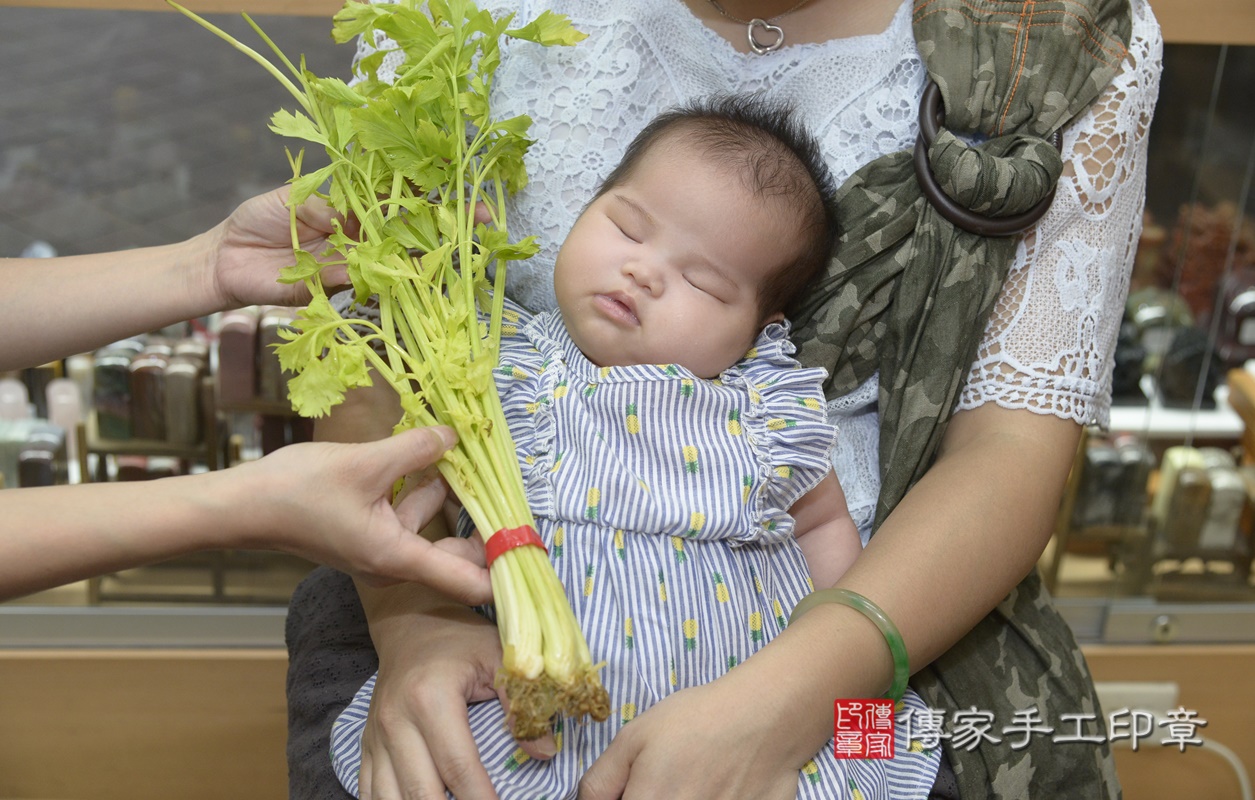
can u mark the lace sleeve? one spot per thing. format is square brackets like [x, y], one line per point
[1049, 343]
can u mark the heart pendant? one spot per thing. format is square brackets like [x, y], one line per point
[762, 48]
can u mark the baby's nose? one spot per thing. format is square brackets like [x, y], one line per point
[646, 273]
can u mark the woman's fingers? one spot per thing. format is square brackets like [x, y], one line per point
[410, 776]
[471, 550]
[452, 748]
[607, 778]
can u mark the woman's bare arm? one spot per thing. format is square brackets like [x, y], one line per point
[55, 307]
[330, 503]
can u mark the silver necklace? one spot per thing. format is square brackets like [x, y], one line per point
[756, 25]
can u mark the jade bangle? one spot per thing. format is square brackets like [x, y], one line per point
[901, 663]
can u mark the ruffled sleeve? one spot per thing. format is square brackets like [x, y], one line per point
[530, 377]
[787, 425]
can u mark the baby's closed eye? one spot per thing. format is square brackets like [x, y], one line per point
[707, 285]
[623, 229]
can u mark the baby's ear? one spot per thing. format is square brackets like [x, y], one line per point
[770, 318]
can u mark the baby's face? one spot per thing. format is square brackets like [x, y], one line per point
[666, 267]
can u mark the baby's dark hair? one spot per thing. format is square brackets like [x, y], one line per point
[775, 156]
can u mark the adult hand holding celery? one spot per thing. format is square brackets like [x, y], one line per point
[410, 160]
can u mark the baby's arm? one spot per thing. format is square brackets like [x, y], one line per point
[826, 532]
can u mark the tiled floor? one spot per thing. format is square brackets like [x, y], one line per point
[123, 129]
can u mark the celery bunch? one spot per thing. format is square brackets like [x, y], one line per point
[409, 161]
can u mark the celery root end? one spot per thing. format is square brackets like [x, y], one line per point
[534, 702]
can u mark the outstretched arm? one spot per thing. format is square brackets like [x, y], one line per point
[330, 503]
[52, 308]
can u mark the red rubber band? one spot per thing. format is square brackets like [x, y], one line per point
[508, 539]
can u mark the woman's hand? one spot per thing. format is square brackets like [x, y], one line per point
[748, 733]
[417, 739]
[332, 503]
[255, 242]
[698, 743]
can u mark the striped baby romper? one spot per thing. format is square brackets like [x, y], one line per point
[663, 501]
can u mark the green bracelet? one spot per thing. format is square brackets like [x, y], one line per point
[901, 662]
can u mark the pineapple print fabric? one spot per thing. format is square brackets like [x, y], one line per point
[663, 499]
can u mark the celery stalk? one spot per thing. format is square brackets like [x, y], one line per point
[409, 160]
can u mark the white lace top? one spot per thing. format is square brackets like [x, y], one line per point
[1049, 344]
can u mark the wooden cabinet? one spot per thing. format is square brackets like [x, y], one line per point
[1214, 681]
[143, 724]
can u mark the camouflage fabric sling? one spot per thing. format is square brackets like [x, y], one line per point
[908, 295]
